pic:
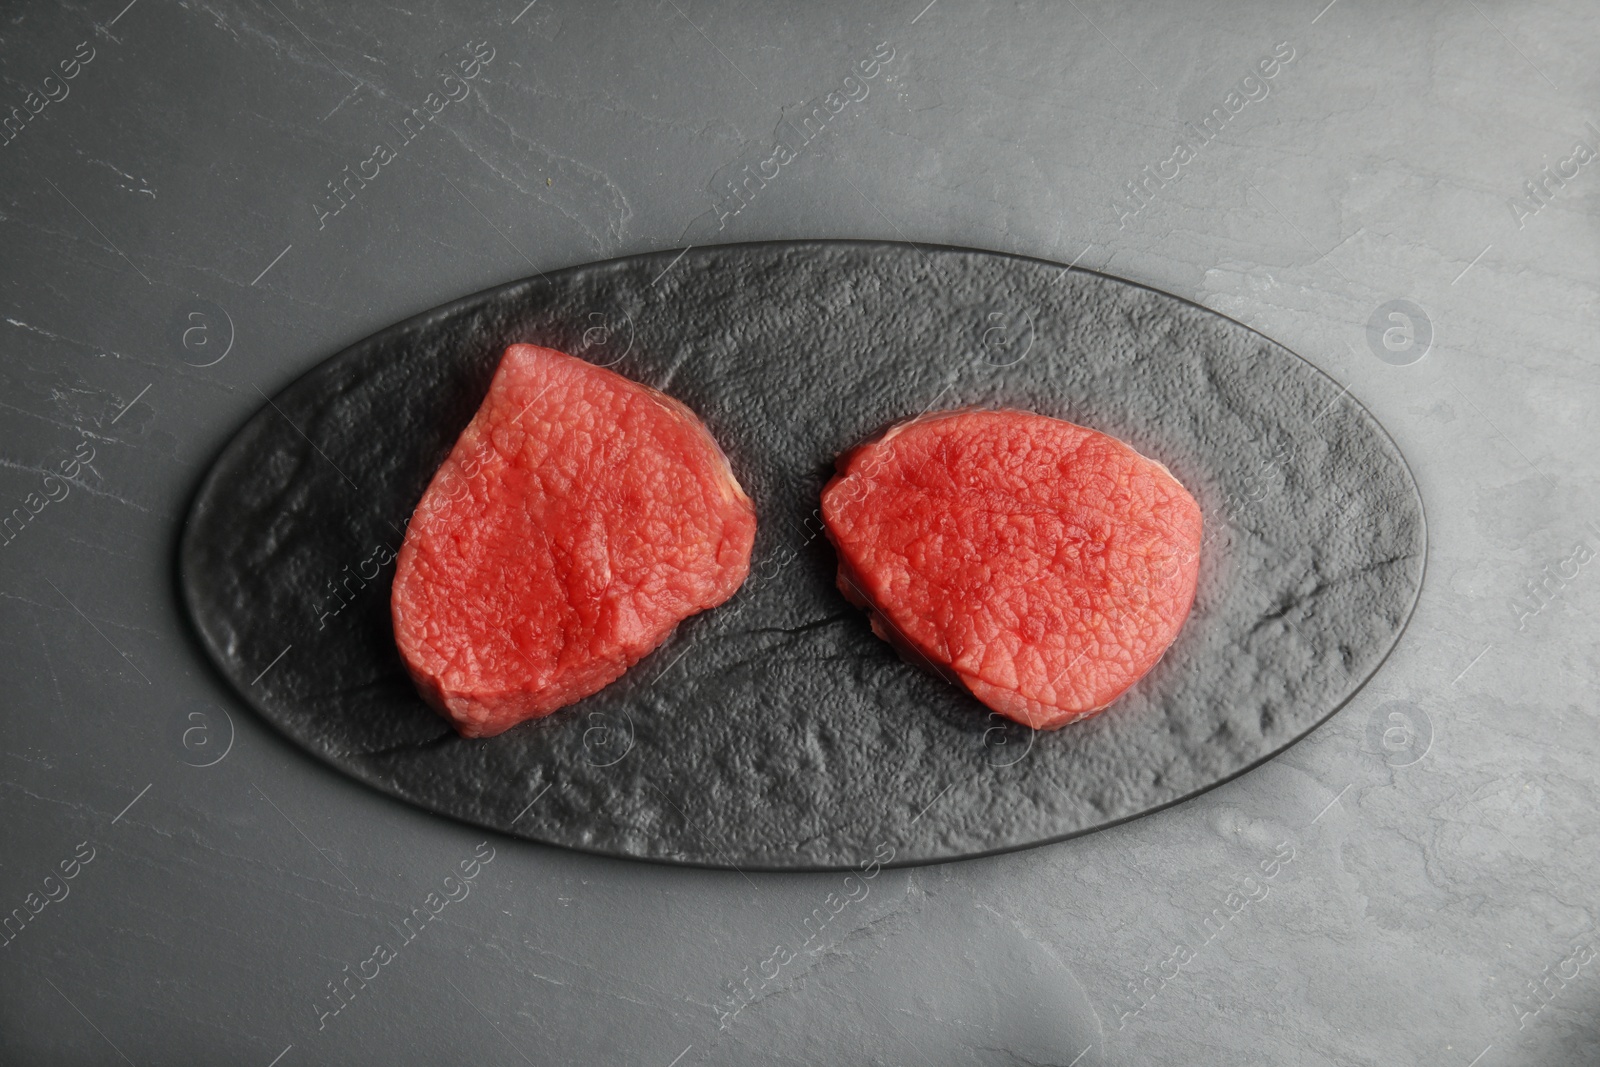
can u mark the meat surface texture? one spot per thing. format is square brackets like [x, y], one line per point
[578, 519]
[1044, 566]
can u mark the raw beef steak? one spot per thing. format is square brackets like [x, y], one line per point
[1044, 566]
[580, 517]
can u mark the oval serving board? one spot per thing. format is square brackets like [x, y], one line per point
[776, 732]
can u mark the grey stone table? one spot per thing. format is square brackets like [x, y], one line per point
[200, 199]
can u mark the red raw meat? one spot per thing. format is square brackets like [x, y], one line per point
[580, 517]
[1044, 566]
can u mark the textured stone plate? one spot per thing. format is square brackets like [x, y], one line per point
[776, 732]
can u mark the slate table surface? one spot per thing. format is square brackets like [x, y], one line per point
[1412, 884]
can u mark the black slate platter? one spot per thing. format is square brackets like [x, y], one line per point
[776, 732]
